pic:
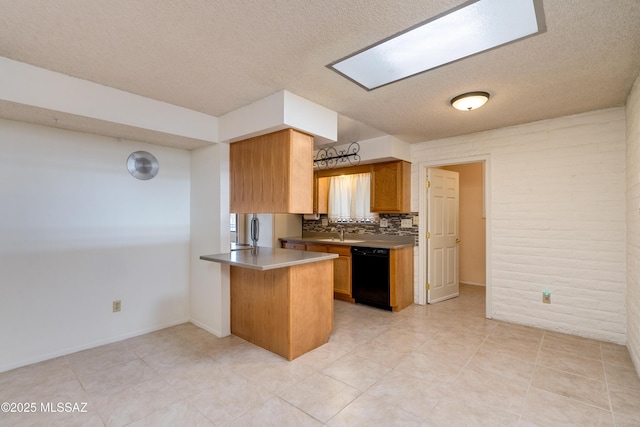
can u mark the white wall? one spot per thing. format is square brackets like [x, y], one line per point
[209, 291]
[558, 219]
[633, 224]
[77, 232]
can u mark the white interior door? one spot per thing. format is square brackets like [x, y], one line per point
[443, 236]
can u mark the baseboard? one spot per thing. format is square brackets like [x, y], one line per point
[473, 284]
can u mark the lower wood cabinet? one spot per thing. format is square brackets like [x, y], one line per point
[341, 272]
[400, 271]
[341, 265]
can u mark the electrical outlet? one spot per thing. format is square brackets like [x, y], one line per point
[325, 222]
[546, 297]
[416, 220]
[384, 222]
[406, 223]
[117, 305]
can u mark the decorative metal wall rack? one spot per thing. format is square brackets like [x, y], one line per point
[330, 157]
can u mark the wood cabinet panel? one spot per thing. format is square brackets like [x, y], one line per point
[288, 311]
[272, 173]
[401, 277]
[321, 195]
[341, 272]
[391, 187]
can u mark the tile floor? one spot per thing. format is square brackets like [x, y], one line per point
[440, 365]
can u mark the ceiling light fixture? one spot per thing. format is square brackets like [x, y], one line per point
[474, 27]
[470, 101]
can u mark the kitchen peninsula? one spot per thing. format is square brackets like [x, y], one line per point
[281, 299]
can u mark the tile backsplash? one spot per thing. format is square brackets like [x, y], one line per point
[394, 222]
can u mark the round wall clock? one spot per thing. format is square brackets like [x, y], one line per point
[142, 165]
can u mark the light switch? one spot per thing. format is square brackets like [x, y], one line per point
[406, 223]
[384, 222]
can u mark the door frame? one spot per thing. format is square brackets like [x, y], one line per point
[423, 223]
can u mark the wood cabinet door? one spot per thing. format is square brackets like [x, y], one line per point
[322, 195]
[272, 173]
[391, 187]
[342, 275]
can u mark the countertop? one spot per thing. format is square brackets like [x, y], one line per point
[360, 240]
[264, 258]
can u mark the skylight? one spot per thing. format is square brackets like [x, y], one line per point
[475, 27]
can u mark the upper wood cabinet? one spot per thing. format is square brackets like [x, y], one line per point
[320, 194]
[391, 187]
[272, 173]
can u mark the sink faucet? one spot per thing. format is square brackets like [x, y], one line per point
[341, 233]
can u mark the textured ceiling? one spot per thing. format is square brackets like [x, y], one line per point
[215, 56]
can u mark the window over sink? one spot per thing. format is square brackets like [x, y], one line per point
[350, 199]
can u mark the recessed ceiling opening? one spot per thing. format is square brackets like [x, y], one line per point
[472, 28]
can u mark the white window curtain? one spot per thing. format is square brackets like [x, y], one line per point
[349, 198]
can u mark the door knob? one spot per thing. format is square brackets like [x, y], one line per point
[457, 240]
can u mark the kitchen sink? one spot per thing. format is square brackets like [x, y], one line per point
[339, 241]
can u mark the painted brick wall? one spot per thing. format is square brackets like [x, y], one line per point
[558, 219]
[633, 223]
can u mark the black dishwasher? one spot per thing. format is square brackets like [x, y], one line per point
[370, 276]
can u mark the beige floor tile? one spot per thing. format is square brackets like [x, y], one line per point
[116, 378]
[440, 364]
[416, 324]
[19, 382]
[622, 421]
[367, 411]
[626, 403]
[213, 345]
[459, 333]
[582, 389]
[453, 411]
[167, 360]
[518, 348]
[380, 353]
[60, 419]
[135, 403]
[275, 412]
[356, 371]
[407, 392]
[454, 350]
[614, 353]
[572, 363]
[275, 375]
[583, 347]
[322, 356]
[320, 396]
[349, 338]
[429, 367]
[518, 332]
[543, 408]
[101, 358]
[190, 379]
[401, 340]
[492, 362]
[178, 414]
[229, 397]
[622, 377]
[154, 342]
[490, 391]
[245, 354]
[46, 410]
